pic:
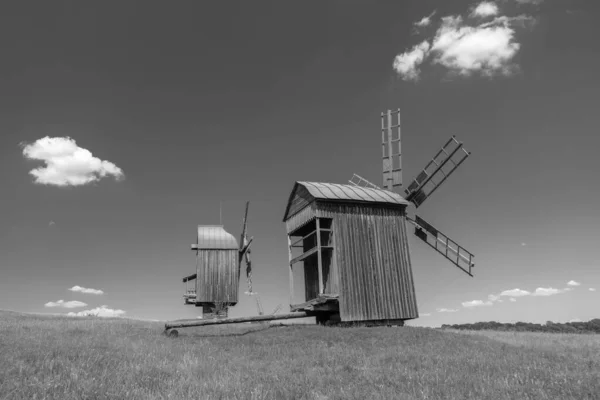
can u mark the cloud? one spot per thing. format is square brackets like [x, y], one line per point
[487, 49]
[51, 223]
[65, 304]
[549, 291]
[523, 244]
[425, 315]
[592, 289]
[407, 63]
[512, 299]
[476, 303]
[446, 310]
[425, 21]
[575, 320]
[485, 9]
[515, 293]
[573, 283]
[102, 311]
[86, 290]
[467, 48]
[67, 164]
[493, 297]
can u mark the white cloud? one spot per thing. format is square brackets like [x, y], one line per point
[425, 315]
[575, 320]
[485, 9]
[86, 290]
[549, 291]
[512, 299]
[65, 304]
[467, 48]
[523, 244]
[573, 283]
[67, 164]
[515, 293]
[487, 49]
[102, 311]
[592, 289]
[446, 310]
[425, 21]
[51, 223]
[493, 297]
[407, 63]
[476, 303]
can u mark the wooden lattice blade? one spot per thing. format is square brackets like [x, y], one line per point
[359, 181]
[448, 248]
[445, 162]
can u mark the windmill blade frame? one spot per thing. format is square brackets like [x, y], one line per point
[433, 175]
[458, 256]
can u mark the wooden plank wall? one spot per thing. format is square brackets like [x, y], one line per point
[371, 247]
[217, 276]
[300, 219]
[300, 199]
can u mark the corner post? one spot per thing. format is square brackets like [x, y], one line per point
[291, 271]
[319, 257]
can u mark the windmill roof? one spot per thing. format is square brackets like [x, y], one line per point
[345, 192]
[215, 237]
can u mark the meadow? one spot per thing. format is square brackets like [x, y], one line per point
[49, 357]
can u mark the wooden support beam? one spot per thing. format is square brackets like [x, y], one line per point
[304, 255]
[319, 258]
[246, 247]
[186, 323]
[189, 278]
[291, 271]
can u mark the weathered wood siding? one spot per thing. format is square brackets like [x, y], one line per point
[372, 257]
[301, 218]
[300, 199]
[217, 276]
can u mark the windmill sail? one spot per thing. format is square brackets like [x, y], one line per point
[362, 182]
[455, 253]
[391, 150]
[445, 162]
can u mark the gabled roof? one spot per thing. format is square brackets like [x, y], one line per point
[215, 237]
[345, 193]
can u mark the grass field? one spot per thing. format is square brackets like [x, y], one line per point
[47, 357]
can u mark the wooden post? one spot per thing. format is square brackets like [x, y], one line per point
[390, 152]
[399, 149]
[291, 271]
[319, 257]
[383, 155]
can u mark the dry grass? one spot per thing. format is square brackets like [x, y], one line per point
[65, 358]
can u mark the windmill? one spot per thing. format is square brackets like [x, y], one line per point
[351, 243]
[451, 155]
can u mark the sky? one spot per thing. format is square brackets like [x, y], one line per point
[124, 125]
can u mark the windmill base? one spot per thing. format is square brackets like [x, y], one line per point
[333, 319]
[212, 311]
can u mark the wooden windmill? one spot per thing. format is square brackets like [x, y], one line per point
[351, 240]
